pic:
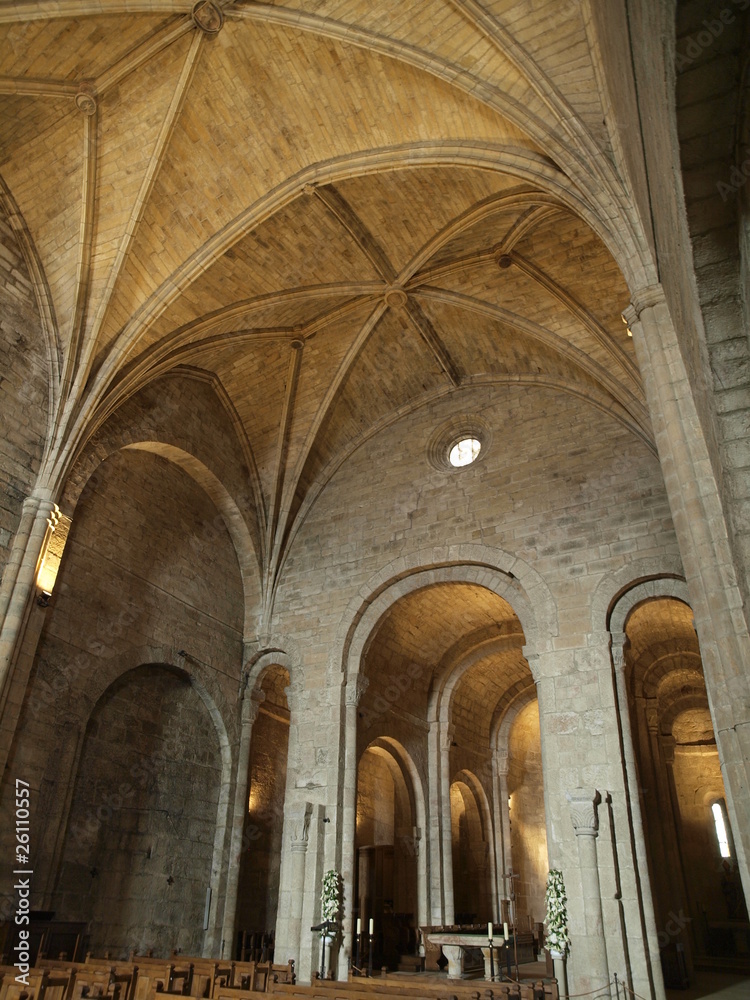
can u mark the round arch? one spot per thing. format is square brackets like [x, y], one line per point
[113, 670]
[403, 760]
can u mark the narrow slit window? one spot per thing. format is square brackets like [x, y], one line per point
[721, 830]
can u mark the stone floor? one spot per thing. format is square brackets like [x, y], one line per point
[716, 985]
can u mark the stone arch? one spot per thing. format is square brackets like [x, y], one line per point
[499, 572]
[415, 789]
[640, 591]
[649, 574]
[483, 895]
[508, 711]
[453, 669]
[115, 673]
[504, 574]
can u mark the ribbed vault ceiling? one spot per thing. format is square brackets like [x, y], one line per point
[339, 212]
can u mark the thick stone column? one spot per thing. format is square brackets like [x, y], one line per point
[583, 812]
[16, 607]
[701, 526]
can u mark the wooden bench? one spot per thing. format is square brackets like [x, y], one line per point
[43, 984]
[122, 973]
[419, 988]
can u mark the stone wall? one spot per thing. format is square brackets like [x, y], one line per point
[147, 576]
[139, 846]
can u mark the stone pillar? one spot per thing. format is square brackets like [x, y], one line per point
[16, 594]
[673, 876]
[298, 848]
[356, 685]
[435, 838]
[583, 812]
[250, 705]
[701, 527]
[650, 955]
[446, 738]
[503, 848]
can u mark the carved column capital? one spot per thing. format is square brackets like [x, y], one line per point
[583, 812]
[356, 685]
[502, 762]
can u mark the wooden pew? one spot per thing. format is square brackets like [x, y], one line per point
[167, 976]
[206, 973]
[43, 983]
[122, 973]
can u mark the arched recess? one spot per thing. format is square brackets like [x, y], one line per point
[665, 704]
[483, 577]
[473, 861]
[391, 869]
[145, 828]
[263, 816]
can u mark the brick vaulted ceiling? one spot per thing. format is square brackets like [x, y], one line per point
[339, 210]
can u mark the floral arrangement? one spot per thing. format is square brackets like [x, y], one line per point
[557, 914]
[330, 898]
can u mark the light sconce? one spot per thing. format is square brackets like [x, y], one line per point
[55, 537]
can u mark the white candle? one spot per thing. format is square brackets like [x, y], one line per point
[489, 931]
[359, 926]
[505, 931]
[371, 926]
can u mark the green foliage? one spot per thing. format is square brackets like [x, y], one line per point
[557, 914]
[330, 898]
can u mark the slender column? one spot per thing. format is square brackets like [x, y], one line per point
[503, 849]
[435, 840]
[299, 839]
[701, 526]
[446, 738]
[583, 812]
[355, 688]
[250, 705]
[643, 885]
[673, 875]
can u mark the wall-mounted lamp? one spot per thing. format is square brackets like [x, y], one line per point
[55, 537]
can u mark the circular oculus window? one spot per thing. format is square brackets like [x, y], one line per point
[464, 452]
[460, 441]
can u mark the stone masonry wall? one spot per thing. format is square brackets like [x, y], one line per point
[138, 851]
[146, 574]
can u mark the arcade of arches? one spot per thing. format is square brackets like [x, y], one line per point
[374, 396]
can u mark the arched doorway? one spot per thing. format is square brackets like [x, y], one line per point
[700, 912]
[386, 845]
[440, 666]
[260, 861]
[471, 837]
